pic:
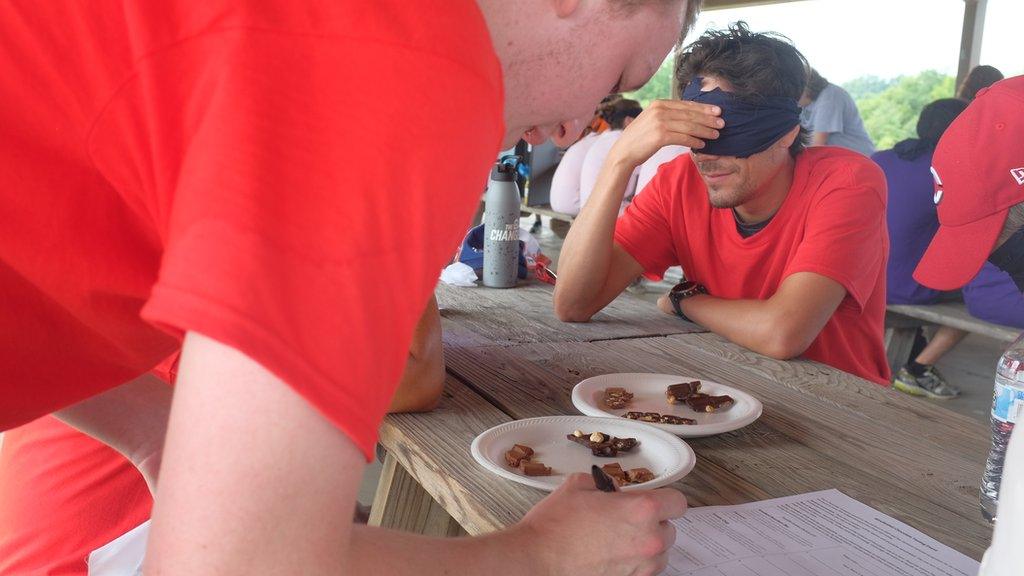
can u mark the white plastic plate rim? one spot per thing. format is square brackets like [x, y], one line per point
[746, 410]
[684, 457]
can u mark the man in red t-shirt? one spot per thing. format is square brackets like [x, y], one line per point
[784, 248]
[229, 177]
[64, 494]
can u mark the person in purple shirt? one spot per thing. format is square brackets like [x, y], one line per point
[912, 222]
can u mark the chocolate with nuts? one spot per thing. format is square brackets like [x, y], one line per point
[708, 403]
[658, 418]
[616, 398]
[678, 393]
[638, 475]
[603, 445]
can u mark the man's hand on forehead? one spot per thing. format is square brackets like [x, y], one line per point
[750, 128]
[665, 123]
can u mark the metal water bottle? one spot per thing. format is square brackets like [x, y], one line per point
[501, 226]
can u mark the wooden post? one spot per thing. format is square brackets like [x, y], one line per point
[402, 504]
[970, 37]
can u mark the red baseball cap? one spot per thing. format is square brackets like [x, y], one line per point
[978, 168]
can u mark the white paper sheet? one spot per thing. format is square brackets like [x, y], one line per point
[823, 533]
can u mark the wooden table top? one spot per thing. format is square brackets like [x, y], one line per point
[821, 428]
[487, 316]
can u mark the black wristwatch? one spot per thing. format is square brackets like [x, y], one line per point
[682, 291]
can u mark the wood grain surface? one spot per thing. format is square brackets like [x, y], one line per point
[821, 428]
[434, 449]
[484, 316]
[509, 358]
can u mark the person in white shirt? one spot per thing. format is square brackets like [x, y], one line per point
[623, 112]
[565, 183]
[649, 168]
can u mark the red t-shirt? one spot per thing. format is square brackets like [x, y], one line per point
[285, 177]
[63, 495]
[832, 223]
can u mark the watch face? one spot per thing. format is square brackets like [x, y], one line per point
[684, 287]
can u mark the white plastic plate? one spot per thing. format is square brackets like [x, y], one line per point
[668, 457]
[649, 396]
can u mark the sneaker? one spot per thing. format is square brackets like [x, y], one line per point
[536, 225]
[930, 384]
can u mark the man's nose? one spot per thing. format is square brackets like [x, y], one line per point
[568, 131]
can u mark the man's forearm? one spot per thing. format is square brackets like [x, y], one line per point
[378, 551]
[586, 256]
[752, 324]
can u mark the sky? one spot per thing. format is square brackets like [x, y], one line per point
[846, 39]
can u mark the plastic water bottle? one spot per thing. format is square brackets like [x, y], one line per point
[1007, 408]
[501, 226]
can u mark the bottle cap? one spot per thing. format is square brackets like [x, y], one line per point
[503, 172]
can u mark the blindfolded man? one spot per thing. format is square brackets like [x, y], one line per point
[784, 248]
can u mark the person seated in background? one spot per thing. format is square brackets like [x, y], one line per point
[64, 494]
[979, 77]
[565, 182]
[783, 247]
[978, 169]
[650, 167]
[621, 114]
[832, 116]
[912, 222]
[979, 194]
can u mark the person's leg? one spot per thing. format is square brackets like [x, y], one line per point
[920, 377]
[944, 340]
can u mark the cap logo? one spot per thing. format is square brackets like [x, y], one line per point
[1018, 175]
[938, 186]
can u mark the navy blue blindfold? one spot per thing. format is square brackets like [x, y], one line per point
[749, 128]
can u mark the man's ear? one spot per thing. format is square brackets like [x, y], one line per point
[565, 8]
[786, 141]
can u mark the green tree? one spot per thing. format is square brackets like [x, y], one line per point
[890, 115]
[865, 86]
[659, 87]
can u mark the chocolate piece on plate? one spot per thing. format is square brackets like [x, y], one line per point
[624, 444]
[525, 449]
[517, 455]
[534, 469]
[604, 445]
[617, 398]
[614, 470]
[677, 420]
[633, 415]
[638, 475]
[708, 403]
[677, 393]
[605, 450]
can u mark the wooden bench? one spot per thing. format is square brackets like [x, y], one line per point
[902, 322]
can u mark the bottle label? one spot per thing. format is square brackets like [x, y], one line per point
[1007, 403]
[509, 234]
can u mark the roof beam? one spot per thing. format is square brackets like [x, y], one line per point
[970, 37]
[723, 4]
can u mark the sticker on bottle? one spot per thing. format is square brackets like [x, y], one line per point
[1007, 403]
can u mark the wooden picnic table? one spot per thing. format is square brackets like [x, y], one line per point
[508, 358]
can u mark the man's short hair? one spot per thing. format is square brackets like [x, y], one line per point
[754, 64]
[628, 7]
